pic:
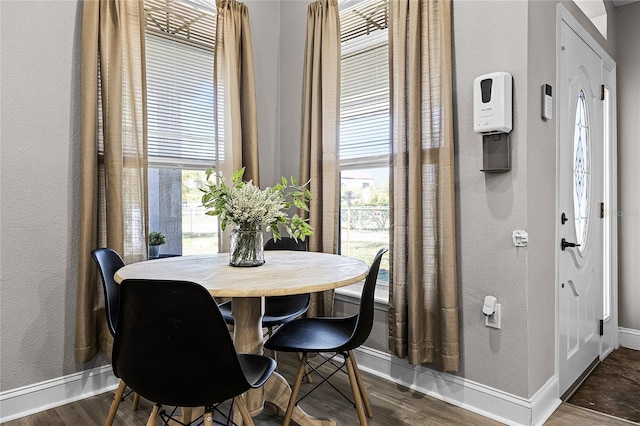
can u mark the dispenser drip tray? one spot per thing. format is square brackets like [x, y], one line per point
[496, 153]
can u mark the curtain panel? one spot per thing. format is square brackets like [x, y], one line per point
[233, 74]
[319, 160]
[423, 306]
[113, 210]
[235, 80]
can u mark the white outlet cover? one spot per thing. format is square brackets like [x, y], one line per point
[495, 320]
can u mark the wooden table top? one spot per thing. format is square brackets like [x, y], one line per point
[285, 272]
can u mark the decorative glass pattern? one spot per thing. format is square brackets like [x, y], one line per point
[581, 170]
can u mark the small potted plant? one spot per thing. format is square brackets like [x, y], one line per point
[156, 239]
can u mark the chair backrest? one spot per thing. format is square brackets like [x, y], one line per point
[109, 262]
[364, 322]
[172, 345]
[286, 305]
[286, 243]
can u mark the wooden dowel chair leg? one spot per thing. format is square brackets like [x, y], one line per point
[186, 415]
[357, 397]
[207, 417]
[153, 418]
[136, 401]
[363, 390]
[294, 392]
[115, 404]
[244, 410]
[307, 376]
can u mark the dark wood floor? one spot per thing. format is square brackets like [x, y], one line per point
[392, 405]
[614, 386]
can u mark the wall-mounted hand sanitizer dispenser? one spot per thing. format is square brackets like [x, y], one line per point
[492, 103]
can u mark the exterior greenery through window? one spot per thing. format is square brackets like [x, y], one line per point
[364, 131]
[180, 44]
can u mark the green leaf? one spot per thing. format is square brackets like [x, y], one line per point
[237, 175]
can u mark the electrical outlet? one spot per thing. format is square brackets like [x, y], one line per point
[493, 321]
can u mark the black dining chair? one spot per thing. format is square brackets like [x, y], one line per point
[278, 310]
[109, 261]
[172, 346]
[335, 336]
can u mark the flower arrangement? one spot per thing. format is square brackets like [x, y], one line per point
[249, 208]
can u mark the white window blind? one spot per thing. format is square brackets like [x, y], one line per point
[364, 98]
[179, 45]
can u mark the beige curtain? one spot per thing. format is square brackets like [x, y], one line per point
[320, 121]
[113, 209]
[235, 83]
[423, 307]
[236, 121]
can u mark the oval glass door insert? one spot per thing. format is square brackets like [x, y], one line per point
[581, 171]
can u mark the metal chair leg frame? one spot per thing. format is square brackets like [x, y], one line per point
[325, 379]
[363, 391]
[115, 404]
[295, 391]
[356, 391]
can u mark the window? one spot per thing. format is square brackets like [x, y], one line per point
[179, 41]
[364, 131]
[581, 171]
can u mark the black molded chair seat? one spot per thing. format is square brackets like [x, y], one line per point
[278, 309]
[172, 346]
[339, 336]
[314, 335]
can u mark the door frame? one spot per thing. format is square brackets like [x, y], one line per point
[610, 187]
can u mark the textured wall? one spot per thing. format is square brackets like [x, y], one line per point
[264, 17]
[541, 169]
[628, 58]
[40, 186]
[488, 37]
[292, 44]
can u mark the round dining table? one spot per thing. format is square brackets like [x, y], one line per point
[283, 273]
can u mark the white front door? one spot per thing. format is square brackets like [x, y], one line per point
[581, 192]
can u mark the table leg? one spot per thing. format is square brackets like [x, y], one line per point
[277, 391]
[247, 338]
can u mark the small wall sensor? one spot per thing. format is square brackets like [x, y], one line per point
[547, 102]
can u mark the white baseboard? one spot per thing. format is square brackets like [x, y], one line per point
[478, 398]
[484, 400]
[42, 396]
[629, 338]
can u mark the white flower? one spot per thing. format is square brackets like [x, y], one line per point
[246, 205]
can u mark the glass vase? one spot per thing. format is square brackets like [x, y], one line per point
[246, 246]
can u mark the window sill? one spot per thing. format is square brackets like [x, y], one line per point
[353, 292]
